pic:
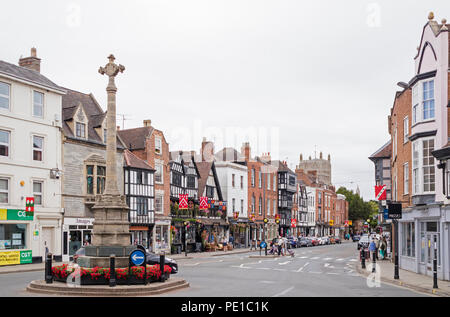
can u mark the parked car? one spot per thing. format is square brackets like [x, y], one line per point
[337, 239]
[364, 241]
[356, 237]
[325, 240]
[305, 242]
[315, 241]
[152, 259]
[293, 241]
[332, 240]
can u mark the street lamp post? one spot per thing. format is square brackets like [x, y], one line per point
[396, 273]
[435, 285]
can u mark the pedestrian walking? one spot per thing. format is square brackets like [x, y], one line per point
[372, 247]
[383, 247]
[253, 246]
[377, 246]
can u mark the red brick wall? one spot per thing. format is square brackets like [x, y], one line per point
[401, 109]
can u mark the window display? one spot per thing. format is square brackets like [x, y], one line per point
[13, 236]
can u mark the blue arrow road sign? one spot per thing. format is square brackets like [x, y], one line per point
[263, 244]
[137, 257]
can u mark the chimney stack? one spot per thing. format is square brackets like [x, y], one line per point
[246, 151]
[147, 123]
[31, 62]
[207, 151]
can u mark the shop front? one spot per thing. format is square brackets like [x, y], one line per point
[77, 232]
[239, 232]
[15, 237]
[421, 231]
[142, 235]
[161, 236]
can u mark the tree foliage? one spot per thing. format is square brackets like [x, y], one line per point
[358, 209]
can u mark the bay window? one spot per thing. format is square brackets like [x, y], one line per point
[423, 169]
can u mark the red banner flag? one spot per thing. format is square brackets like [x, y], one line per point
[203, 203]
[380, 192]
[29, 204]
[183, 204]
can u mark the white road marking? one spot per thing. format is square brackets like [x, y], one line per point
[333, 273]
[315, 258]
[283, 270]
[267, 282]
[192, 264]
[303, 257]
[328, 266]
[340, 260]
[315, 272]
[284, 263]
[328, 259]
[301, 269]
[284, 292]
[353, 260]
[263, 268]
[241, 266]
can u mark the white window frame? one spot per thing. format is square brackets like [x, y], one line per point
[415, 103]
[41, 193]
[405, 179]
[34, 104]
[37, 149]
[418, 168]
[7, 144]
[427, 100]
[162, 203]
[82, 128]
[260, 179]
[425, 166]
[7, 191]
[7, 96]
[405, 129]
[158, 145]
[157, 166]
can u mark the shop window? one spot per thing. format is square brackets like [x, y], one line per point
[408, 241]
[13, 236]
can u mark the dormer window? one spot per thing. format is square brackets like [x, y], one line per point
[81, 130]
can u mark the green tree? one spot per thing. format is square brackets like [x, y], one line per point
[358, 209]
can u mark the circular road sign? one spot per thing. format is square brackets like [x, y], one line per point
[137, 257]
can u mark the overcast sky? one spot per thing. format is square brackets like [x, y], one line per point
[298, 76]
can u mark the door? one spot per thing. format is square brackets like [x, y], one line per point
[47, 241]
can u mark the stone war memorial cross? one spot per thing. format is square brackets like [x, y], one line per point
[111, 233]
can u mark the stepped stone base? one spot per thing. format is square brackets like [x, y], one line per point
[62, 289]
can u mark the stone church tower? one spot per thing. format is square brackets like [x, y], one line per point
[320, 165]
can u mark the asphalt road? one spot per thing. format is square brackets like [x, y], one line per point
[321, 271]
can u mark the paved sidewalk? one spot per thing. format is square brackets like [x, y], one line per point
[418, 282]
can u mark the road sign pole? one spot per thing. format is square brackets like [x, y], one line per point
[435, 285]
[396, 273]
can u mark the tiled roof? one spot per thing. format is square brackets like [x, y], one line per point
[203, 169]
[27, 74]
[134, 139]
[383, 152]
[132, 160]
[70, 102]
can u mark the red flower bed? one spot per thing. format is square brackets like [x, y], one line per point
[153, 271]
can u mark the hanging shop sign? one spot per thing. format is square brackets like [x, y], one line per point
[15, 257]
[183, 204]
[16, 214]
[29, 204]
[203, 203]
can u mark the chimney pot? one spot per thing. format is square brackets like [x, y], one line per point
[147, 123]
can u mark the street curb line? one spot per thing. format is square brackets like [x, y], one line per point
[406, 285]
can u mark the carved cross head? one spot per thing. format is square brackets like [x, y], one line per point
[111, 69]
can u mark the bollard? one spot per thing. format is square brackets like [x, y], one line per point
[266, 250]
[48, 269]
[162, 262]
[374, 261]
[112, 271]
[363, 258]
[260, 250]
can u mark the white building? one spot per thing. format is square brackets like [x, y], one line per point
[311, 218]
[233, 182]
[30, 162]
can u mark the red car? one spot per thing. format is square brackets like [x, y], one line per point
[315, 241]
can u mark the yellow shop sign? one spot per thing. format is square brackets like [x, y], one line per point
[15, 257]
